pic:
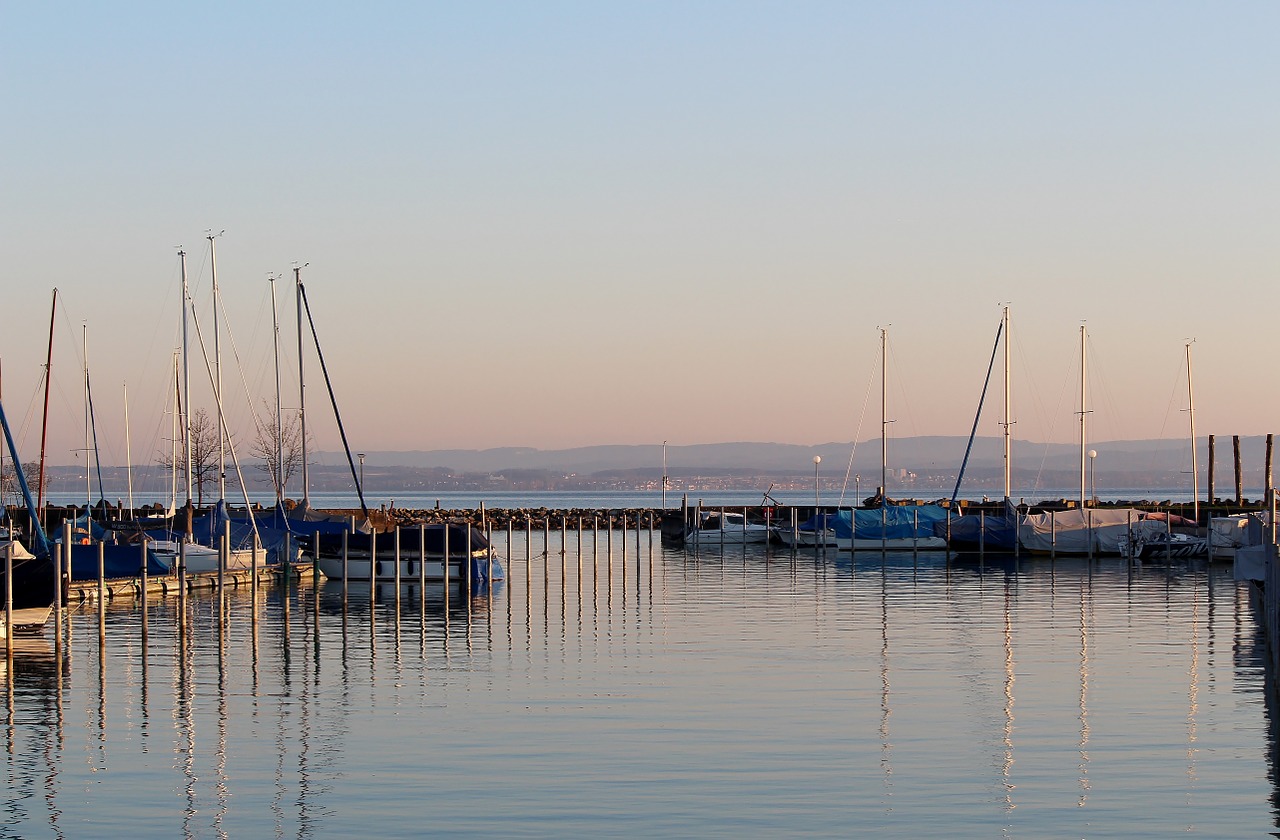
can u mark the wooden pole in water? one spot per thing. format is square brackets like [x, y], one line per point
[1211, 466]
[373, 572]
[346, 576]
[102, 592]
[8, 597]
[422, 562]
[142, 579]
[1235, 447]
[395, 576]
[1267, 472]
[445, 564]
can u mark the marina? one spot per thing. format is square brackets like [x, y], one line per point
[743, 690]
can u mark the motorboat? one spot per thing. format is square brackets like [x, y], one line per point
[421, 551]
[715, 527]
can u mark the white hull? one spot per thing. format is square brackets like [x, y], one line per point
[30, 620]
[751, 535]
[201, 558]
[807, 539]
[900, 544]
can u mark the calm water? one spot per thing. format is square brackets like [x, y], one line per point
[718, 695]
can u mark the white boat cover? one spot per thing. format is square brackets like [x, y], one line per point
[1072, 531]
[1237, 530]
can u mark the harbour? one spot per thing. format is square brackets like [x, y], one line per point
[718, 692]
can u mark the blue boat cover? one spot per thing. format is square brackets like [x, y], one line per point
[119, 561]
[892, 522]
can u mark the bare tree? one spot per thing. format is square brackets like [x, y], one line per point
[204, 455]
[288, 442]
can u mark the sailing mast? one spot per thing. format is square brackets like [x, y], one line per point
[44, 423]
[302, 392]
[1008, 448]
[88, 481]
[186, 387]
[1083, 412]
[217, 369]
[884, 423]
[275, 347]
[1191, 412]
[128, 450]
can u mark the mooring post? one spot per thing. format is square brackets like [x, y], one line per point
[373, 572]
[142, 579]
[422, 563]
[982, 531]
[8, 598]
[346, 572]
[102, 577]
[395, 576]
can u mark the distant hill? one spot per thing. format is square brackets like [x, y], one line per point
[931, 455]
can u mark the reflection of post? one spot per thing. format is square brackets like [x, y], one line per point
[1007, 765]
[1193, 690]
[886, 748]
[1084, 699]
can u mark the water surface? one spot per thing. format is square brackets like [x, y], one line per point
[735, 693]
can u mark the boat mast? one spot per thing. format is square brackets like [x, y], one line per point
[1191, 412]
[173, 440]
[186, 386]
[88, 481]
[302, 392]
[44, 423]
[275, 346]
[1008, 448]
[217, 369]
[1083, 412]
[128, 450]
[884, 423]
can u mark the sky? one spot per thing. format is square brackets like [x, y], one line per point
[568, 224]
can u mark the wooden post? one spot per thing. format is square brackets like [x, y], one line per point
[1235, 448]
[1210, 475]
[373, 572]
[8, 598]
[1267, 473]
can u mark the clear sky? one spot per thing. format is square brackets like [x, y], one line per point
[563, 224]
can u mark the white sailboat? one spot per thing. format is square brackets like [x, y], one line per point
[197, 557]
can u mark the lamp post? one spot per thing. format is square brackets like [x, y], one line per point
[817, 459]
[360, 455]
[1093, 493]
[857, 490]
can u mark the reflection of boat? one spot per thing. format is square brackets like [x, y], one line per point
[465, 544]
[714, 527]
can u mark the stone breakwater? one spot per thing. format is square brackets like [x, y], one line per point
[518, 518]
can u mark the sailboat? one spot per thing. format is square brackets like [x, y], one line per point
[890, 527]
[198, 548]
[996, 531]
[1085, 529]
[27, 594]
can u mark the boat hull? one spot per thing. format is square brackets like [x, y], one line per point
[411, 567]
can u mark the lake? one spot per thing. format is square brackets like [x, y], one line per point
[623, 689]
